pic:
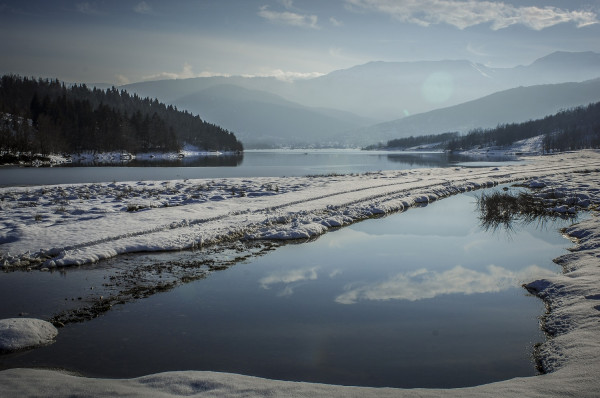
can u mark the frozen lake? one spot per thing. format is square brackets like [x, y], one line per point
[424, 298]
[274, 163]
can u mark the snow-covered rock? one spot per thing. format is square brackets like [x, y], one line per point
[21, 333]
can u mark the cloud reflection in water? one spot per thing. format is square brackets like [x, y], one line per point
[289, 278]
[423, 284]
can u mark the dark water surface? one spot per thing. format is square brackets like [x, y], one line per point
[425, 298]
[274, 163]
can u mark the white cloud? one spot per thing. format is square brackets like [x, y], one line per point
[478, 51]
[335, 22]
[122, 79]
[466, 13]
[142, 8]
[289, 18]
[286, 75]
[186, 73]
[423, 284]
[87, 8]
[288, 4]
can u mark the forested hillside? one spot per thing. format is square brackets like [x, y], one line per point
[566, 130]
[571, 129]
[46, 116]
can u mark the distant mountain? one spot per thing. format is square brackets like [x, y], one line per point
[262, 119]
[381, 91]
[385, 90]
[174, 89]
[390, 90]
[510, 106]
[561, 66]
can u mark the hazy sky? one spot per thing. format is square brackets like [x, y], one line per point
[121, 41]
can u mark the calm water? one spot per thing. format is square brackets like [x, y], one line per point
[275, 163]
[419, 299]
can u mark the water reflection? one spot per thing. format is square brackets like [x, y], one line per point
[275, 163]
[425, 284]
[415, 320]
[222, 160]
[506, 209]
[443, 159]
[289, 278]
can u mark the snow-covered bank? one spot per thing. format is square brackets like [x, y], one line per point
[92, 157]
[533, 146]
[52, 226]
[572, 354]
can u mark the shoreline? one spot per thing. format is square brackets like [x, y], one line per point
[571, 354]
[89, 157]
[183, 214]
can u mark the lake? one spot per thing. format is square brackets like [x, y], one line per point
[425, 298]
[254, 163]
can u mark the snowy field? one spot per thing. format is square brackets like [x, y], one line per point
[52, 226]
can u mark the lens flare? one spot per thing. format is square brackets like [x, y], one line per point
[438, 87]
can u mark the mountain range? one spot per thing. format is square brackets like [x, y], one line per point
[338, 108]
[514, 105]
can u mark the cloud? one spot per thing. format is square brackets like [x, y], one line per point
[466, 13]
[288, 4]
[289, 18]
[423, 284]
[286, 76]
[335, 22]
[88, 8]
[122, 79]
[186, 73]
[142, 8]
[476, 50]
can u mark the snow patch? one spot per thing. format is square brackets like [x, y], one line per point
[21, 333]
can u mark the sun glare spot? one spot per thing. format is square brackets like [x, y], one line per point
[438, 87]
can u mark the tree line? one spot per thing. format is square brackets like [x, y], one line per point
[571, 129]
[414, 142]
[46, 116]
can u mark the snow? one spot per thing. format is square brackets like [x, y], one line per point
[21, 333]
[96, 224]
[531, 147]
[116, 157]
[90, 157]
[61, 225]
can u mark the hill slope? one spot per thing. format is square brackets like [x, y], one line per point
[263, 119]
[47, 117]
[381, 91]
[509, 106]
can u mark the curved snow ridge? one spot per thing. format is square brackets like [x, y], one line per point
[298, 208]
[573, 301]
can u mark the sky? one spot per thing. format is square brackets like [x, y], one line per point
[125, 41]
